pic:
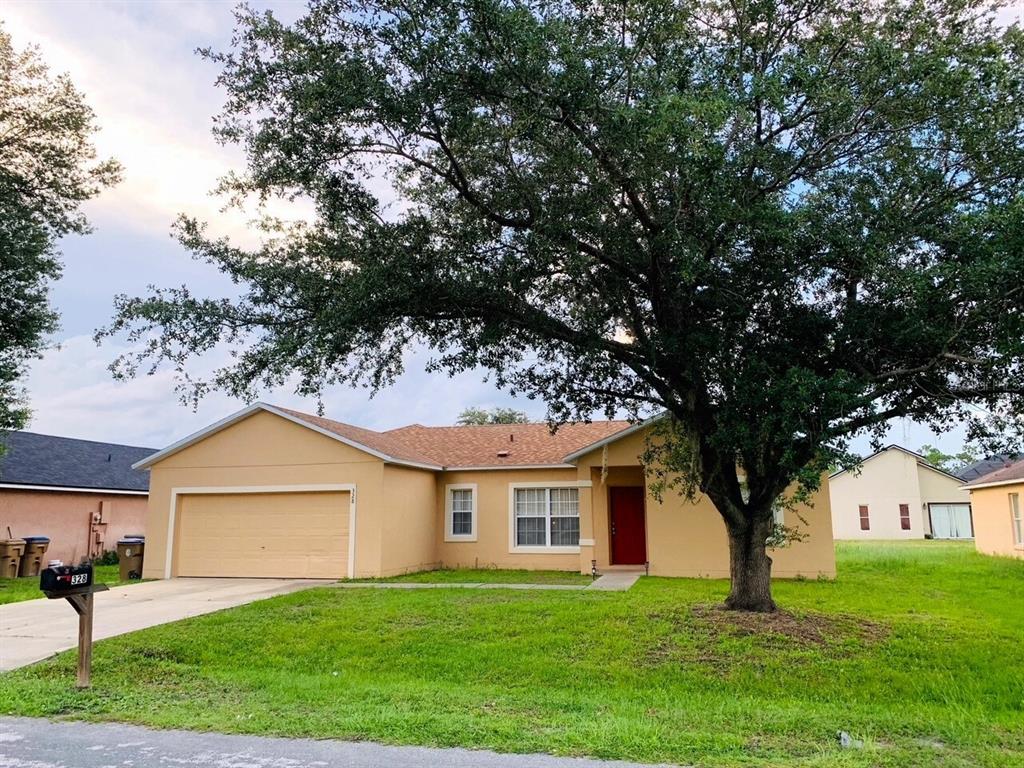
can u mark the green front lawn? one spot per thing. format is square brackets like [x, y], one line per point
[16, 590]
[915, 649]
[491, 576]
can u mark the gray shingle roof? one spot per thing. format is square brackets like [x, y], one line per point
[33, 459]
[986, 466]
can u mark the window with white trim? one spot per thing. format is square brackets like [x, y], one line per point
[460, 512]
[1017, 519]
[546, 517]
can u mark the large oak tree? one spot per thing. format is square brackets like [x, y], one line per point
[48, 168]
[781, 223]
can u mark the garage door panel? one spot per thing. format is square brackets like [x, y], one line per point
[282, 535]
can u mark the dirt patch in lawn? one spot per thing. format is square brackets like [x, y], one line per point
[700, 634]
[808, 629]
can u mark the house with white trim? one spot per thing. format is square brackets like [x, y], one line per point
[896, 494]
[270, 491]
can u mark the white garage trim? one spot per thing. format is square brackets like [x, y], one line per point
[242, 489]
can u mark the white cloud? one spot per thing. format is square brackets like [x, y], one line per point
[154, 98]
[73, 395]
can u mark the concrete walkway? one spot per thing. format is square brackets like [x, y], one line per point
[35, 629]
[31, 743]
[616, 581]
[613, 581]
[451, 585]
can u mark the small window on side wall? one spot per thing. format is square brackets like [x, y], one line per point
[905, 517]
[865, 522]
[460, 512]
[1017, 520]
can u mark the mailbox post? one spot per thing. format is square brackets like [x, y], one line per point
[74, 583]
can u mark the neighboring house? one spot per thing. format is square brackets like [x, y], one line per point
[897, 494]
[84, 495]
[269, 491]
[998, 503]
[980, 468]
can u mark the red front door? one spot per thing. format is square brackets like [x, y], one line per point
[629, 537]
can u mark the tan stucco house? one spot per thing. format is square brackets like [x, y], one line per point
[270, 491]
[897, 494]
[997, 500]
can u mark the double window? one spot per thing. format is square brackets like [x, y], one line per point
[545, 518]
[1017, 520]
[460, 512]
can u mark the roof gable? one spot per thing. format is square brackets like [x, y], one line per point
[353, 437]
[62, 462]
[921, 461]
[459, 447]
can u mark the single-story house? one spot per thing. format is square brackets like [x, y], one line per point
[896, 494]
[273, 492]
[998, 503]
[83, 495]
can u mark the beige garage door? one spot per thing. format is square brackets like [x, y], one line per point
[280, 535]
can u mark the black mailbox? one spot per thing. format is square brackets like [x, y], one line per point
[66, 579]
[74, 583]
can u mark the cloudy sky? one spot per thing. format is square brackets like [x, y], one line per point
[154, 98]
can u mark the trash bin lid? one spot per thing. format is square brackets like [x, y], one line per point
[34, 539]
[132, 540]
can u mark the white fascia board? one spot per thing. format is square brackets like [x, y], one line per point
[72, 489]
[248, 411]
[575, 455]
[510, 467]
[996, 484]
[195, 437]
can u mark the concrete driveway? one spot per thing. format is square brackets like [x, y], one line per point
[35, 629]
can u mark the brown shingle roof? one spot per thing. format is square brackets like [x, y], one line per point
[382, 442]
[525, 444]
[1014, 471]
[473, 446]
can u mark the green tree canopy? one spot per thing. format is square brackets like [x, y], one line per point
[947, 462]
[48, 168]
[781, 223]
[480, 416]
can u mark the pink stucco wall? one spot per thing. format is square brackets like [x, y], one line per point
[78, 524]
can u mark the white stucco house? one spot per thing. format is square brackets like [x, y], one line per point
[897, 494]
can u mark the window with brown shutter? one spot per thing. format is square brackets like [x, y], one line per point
[905, 517]
[865, 524]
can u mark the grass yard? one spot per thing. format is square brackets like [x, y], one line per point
[916, 649]
[16, 590]
[491, 576]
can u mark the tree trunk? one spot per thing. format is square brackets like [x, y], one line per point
[750, 568]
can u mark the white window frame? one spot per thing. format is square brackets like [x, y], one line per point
[514, 548]
[1016, 520]
[449, 518]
